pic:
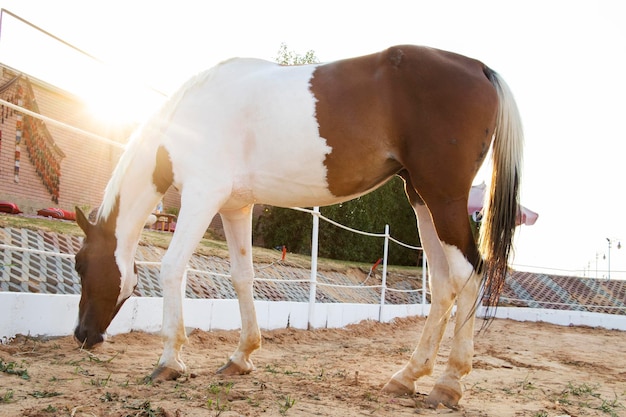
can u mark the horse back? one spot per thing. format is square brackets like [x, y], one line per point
[324, 133]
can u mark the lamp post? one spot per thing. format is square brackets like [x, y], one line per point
[619, 245]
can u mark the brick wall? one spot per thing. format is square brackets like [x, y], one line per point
[87, 165]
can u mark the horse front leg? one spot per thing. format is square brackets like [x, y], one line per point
[171, 365]
[191, 225]
[238, 230]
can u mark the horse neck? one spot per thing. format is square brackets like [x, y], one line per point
[131, 196]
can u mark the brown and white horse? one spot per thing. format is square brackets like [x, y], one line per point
[250, 131]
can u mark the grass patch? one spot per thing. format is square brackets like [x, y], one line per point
[95, 359]
[109, 397]
[101, 382]
[44, 394]
[40, 223]
[218, 400]
[145, 410]
[585, 395]
[7, 397]
[285, 404]
[12, 368]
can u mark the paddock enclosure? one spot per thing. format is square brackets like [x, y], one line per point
[171, 367]
[520, 369]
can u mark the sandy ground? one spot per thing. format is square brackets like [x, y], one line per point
[520, 369]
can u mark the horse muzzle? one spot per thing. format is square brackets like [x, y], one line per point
[87, 339]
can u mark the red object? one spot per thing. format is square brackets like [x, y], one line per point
[376, 264]
[7, 207]
[57, 213]
[284, 253]
[69, 215]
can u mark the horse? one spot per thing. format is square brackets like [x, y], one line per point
[250, 131]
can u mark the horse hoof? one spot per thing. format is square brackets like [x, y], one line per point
[231, 368]
[163, 373]
[445, 395]
[395, 387]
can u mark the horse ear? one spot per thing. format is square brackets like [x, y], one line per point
[82, 221]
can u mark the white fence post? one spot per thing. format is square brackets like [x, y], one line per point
[313, 286]
[384, 279]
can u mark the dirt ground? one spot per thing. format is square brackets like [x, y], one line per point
[520, 369]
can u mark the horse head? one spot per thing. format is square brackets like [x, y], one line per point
[104, 286]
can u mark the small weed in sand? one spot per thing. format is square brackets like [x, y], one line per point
[96, 359]
[145, 410]
[101, 382]
[13, 368]
[587, 396]
[582, 389]
[44, 394]
[218, 392]
[271, 369]
[109, 397]
[285, 405]
[7, 397]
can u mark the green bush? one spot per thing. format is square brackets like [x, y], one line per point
[386, 205]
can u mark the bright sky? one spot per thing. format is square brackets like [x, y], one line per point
[564, 60]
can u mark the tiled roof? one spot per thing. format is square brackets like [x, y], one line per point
[527, 289]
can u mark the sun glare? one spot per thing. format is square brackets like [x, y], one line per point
[114, 95]
[120, 101]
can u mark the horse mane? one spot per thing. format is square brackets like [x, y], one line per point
[113, 186]
[150, 130]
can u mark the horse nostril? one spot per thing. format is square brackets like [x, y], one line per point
[87, 340]
[80, 335]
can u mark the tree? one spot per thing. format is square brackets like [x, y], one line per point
[388, 204]
[371, 212]
[287, 57]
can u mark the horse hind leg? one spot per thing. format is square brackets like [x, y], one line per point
[238, 230]
[452, 277]
[448, 390]
[422, 360]
[457, 242]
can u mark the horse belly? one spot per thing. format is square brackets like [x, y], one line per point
[300, 192]
[285, 168]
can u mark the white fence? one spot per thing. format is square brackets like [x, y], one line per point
[383, 286]
[56, 315]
